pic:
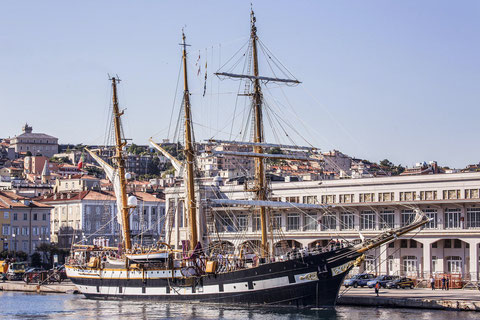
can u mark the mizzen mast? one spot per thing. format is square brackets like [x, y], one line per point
[189, 155]
[119, 145]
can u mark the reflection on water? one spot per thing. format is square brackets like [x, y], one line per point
[62, 306]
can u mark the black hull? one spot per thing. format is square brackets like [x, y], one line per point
[321, 291]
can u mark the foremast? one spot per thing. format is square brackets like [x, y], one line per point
[119, 145]
[189, 155]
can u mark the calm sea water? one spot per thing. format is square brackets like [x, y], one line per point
[63, 306]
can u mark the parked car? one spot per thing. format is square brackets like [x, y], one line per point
[16, 270]
[33, 275]
[382, 280]
[58, 274]
[358, 280]
[401, 283]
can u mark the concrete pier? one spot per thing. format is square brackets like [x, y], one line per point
[466, 300]
[65, 287]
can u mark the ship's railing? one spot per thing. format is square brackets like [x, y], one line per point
[229, 263]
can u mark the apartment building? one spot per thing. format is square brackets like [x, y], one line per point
[449, 243]
[25, 223]
[82, 216]
[226, 166]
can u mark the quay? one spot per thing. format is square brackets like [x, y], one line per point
[456, 299]
[65, 287]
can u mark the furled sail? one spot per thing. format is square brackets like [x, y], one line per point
[259, 144]
[265, 155]
[112, 175]
[179, 167]
[271, 204]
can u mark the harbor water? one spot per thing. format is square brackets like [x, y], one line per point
[15, 305]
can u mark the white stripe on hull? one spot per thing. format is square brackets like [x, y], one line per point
[121, 274]
[211, 289]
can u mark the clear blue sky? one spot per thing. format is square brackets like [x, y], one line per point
[381, 79]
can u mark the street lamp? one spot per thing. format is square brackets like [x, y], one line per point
[14, 243]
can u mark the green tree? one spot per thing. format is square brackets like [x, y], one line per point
[36, 259]
[154, 166]
[134, 149]
[388, 166]
[385, 163]
[274, 150]
[60, 160]
[48, 250]
[95, 171]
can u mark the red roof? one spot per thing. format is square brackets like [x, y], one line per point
[94, 195]
[10, 199]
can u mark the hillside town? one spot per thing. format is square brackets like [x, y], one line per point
[53, 196]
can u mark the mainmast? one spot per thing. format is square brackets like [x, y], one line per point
[119, 144]
[261, 186]
[189, 155]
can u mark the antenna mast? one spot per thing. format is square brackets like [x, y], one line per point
[119, 144]
[189, 155]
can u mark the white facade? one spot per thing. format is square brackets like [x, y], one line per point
[450, 243]
[84, 216]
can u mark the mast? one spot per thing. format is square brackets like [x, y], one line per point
[189, 155]
[260, 187]
[119, 144]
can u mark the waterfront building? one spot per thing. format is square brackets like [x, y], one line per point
[83, 216]
[25, 223]
[36, 143]
[364, 206]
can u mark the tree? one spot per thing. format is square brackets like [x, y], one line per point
[134, 149]
[48, 250]
[176, 150]
[60, 160]
[21, 256]
[397, 170]
[29, 154]
[385, 163]
[388, 166]
[154, 166]
[36, 259]
[79, 146]
[275, 150]
[271, 161]
[94, 171]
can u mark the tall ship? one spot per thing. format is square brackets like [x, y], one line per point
[199, 271]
